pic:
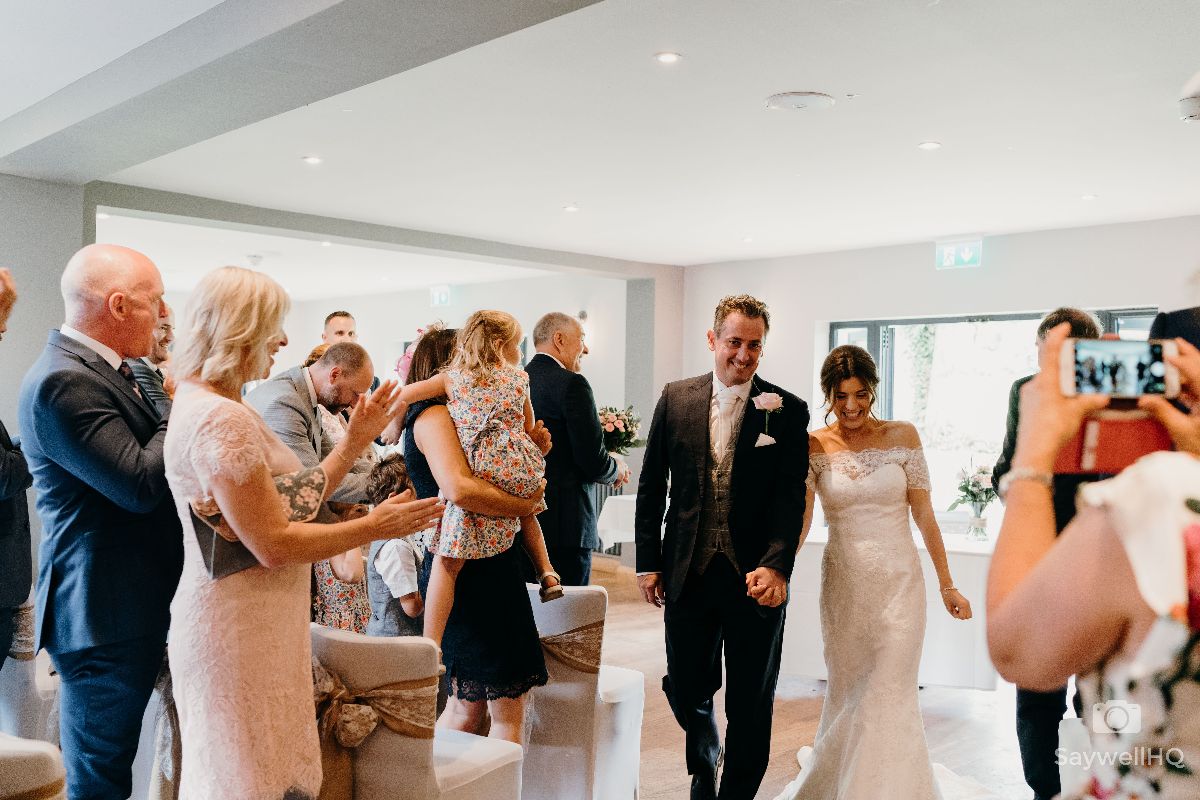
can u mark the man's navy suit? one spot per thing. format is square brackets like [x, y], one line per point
[563, 400]
[110, 558]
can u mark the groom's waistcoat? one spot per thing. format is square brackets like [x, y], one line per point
[712, 534]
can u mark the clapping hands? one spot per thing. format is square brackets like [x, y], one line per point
[372, 413]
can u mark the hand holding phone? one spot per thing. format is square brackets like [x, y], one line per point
[1118, 368]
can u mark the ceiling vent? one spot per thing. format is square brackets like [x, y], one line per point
[1189, 106]
[800, 101]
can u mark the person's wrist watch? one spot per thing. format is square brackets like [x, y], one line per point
[1024, 474]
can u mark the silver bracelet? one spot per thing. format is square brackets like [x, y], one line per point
[1024, 474]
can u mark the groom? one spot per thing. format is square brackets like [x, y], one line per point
[735, 449]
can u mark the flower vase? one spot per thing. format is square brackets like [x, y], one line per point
[977, 527]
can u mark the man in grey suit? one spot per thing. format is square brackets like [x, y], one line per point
[147, 371]
[288, 404]
[112, 550]
[16, 558]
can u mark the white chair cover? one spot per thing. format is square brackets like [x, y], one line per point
[585, 724]
[619, 733]
[389, 766]
[30, 770]
[29, 699]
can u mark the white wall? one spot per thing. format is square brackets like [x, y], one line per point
[386, 321]
[1134, 264]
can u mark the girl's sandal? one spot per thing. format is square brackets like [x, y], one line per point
[552, 591]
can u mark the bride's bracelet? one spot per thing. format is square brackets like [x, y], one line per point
[949, 589]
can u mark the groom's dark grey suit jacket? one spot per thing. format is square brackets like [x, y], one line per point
[767, 490]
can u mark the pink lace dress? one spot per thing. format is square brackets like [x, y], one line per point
[239, 646]
[489, 416]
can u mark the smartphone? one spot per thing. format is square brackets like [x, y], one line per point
[1118, 367]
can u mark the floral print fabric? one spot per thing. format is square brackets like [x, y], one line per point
[489, 416]
[1143, 712]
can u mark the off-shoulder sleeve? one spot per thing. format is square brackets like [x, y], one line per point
[226, 443]
[916, 470]
[1154, 508]
[817, 463]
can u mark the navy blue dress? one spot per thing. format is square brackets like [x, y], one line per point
[491, 647]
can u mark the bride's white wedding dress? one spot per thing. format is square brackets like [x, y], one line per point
[870, 742]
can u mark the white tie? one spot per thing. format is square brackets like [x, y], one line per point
[726, 403]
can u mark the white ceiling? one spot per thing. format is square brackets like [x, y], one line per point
[1037, 103]
[46, 45]
[307, 270]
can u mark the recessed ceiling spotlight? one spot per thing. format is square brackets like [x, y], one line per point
[747, 239]
[667, 58]
[102, 215]
[800, 101]
[311, 160]
[1089, 197]
[326, 244]
[929, 146]
[570, 209]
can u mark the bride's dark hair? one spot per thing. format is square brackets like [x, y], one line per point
[843, 363]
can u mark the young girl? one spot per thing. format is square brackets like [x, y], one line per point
[488, 399]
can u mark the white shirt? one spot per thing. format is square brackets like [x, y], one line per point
[102, 350]
[397, 562]
[721, 425]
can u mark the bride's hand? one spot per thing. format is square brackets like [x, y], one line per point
[957, 606]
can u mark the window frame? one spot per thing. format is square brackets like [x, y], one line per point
[879, 336]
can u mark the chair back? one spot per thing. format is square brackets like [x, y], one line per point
[387, 764]
[560, 753]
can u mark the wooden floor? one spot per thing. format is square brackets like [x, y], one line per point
[970, 732]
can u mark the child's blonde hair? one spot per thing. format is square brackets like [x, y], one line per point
[481, 342]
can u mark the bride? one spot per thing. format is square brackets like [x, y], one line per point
[870, 474]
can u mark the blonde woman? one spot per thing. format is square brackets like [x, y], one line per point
[239, 644]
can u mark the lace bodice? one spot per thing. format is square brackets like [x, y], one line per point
[855, 464]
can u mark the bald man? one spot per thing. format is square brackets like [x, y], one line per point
[112, 548]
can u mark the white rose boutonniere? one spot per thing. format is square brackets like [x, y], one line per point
[769, 403]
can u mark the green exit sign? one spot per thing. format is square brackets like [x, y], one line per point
[959, 254]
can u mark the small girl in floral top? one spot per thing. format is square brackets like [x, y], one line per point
[488, 399]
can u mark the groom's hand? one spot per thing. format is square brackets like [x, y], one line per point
[652, 588]
[767, 586]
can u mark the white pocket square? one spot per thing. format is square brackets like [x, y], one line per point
[764, 440]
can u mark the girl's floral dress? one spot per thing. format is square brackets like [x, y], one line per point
[1143, 713]
[489, 415]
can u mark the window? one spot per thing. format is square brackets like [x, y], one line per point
[951, 378]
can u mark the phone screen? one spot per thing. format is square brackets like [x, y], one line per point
[1119, 368]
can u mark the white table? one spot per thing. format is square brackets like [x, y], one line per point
[955, 652]
[616, 520]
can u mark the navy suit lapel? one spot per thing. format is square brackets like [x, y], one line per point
[96, 363]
